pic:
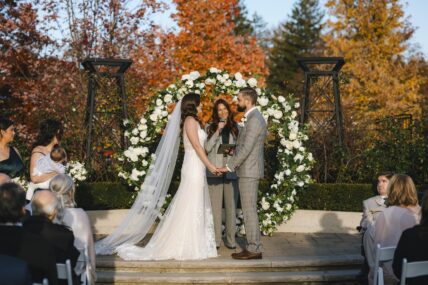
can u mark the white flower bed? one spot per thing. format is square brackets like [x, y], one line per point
[278, 204]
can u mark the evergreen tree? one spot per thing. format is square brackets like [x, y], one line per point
[243, 24]
[300, 36]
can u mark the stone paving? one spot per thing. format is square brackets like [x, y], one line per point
[302, 244]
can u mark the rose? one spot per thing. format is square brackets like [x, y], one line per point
[189, 83]
[252, 82]
[240, 83]
[263, 101]
[214, 70]
[210, 81]
[277, 114]
[167, 98]
[281, 99]
[194, 75]
[296, 144]
[153, 117]
[143, 134]
[292, 136]
[134, 140]
[238, 76]
[300, 168]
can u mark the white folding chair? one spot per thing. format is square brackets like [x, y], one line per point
[380, 280]
[382, 254]
[89, 280]
[64, 271]
[413, 269]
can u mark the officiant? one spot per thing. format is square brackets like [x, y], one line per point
[222, 131]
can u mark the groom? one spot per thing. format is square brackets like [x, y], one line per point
[248, 162]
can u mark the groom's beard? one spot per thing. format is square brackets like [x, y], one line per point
[241, 109]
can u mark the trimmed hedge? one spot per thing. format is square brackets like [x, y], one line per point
[104, 196]
[333, 197]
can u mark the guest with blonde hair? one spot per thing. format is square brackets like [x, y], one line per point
[413, 246]
[75, 218]
[403, 212]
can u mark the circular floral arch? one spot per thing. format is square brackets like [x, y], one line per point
[277, 201]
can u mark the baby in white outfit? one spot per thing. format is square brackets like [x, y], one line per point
[54, 162]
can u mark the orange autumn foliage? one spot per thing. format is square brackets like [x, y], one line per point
[206, 39]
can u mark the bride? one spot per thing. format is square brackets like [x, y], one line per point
[186, 230]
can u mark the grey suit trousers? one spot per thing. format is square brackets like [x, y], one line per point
[217, 186]
[248, 188]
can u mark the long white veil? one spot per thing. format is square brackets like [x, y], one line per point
[152, 193]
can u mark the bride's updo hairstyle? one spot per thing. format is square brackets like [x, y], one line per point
[189, 105]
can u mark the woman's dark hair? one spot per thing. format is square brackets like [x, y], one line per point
[48, 129]
[189, 105]
[12, 201]
[5, 124]
[231, 125]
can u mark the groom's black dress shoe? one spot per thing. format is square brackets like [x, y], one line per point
[245, 255]
[230, 247]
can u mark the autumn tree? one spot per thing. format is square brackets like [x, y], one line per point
[373, 37]
[300, 36]
[206, 38]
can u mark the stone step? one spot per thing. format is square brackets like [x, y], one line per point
[304, 277]
[221, 265]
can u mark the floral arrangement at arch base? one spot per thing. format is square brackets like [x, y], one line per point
[278, 203]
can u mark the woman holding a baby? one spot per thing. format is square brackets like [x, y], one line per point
[47, 157]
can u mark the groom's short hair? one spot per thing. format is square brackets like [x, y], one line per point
[249, 93]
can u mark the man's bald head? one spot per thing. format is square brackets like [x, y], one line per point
[44, 203]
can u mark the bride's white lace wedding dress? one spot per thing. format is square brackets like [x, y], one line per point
[186, 231]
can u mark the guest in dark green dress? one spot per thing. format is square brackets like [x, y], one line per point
[11, 164]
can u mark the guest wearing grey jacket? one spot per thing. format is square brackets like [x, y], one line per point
[222, 129]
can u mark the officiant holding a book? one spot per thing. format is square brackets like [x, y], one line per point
[222, 131]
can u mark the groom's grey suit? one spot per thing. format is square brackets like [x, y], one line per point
[248, 162]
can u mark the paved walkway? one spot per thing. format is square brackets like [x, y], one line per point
[299, 244]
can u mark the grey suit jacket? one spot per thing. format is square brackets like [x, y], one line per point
[248, 160]
[371, 209]
[211, 146]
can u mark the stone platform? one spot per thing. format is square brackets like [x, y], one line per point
[288, 258]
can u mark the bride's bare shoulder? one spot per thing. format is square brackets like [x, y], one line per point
[190, 121]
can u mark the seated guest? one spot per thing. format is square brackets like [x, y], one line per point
[45, 208]
[49, 135]
[11, 164]
[374, 205]
[75, 218]
[54, 162]
[371, 210]
[14, 271]
[413, 246]
[403, 212]
[16, 242]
